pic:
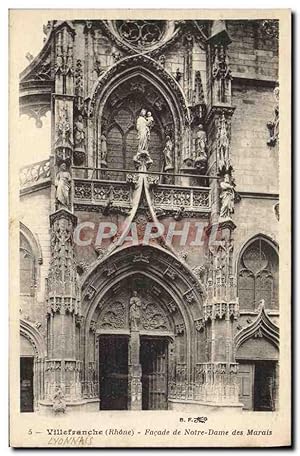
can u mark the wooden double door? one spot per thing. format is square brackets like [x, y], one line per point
[257, 381]
[114, 372]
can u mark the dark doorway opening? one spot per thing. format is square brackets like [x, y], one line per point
[264, 386]
[154, 362]
[26, 384]
[258, 385]
[113, 372]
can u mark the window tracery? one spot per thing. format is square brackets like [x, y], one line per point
[258, 276]
[27, 267]
[141, 33]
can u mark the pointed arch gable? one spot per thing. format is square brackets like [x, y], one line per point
[33, 241]
[262, 326]
[31, 333]
[156, 263]
[147, 67]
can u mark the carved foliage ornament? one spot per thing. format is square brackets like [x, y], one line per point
[34, 174]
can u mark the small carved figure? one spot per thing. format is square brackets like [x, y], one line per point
[227, 198]
[223, 146]
[135, 311]
[200, 148]
[59, 403]
[116, 55]
[168, 154]
[162, 60]
[150, 121]
[178, 75]
[276, 210]
[103, 149]
[63, 185]
[179, 214]
[79, 134]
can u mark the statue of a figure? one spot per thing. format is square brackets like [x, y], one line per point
[200, 148]
[168, 154]
[135, 311]
[103, 149]
[59, 403]
[143, 125]
[79, 134]
[63, 185]
[227, 198]
[223, 146]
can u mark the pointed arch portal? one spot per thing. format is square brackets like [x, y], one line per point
[257, 351]
[161, 346]
[134, 83]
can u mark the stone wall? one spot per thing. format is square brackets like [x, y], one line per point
[34, 214]
[252, 53]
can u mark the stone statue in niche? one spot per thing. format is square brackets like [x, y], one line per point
[168, 154]
[79, 135]
[79, 141]
[63, 186]
[273, 126]
[135, 304]
[103, 150]
[223, 146]
[227, 197]
[144, 124]
[200, 148]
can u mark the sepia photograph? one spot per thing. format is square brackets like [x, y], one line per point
[148, 219]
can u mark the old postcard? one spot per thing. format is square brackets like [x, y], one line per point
[150, 162]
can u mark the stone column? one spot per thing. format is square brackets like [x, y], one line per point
[62, 367]
[135, 372]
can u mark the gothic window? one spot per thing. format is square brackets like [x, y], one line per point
[258, 276]
[27, 267]
[141, 33]
[118, 125]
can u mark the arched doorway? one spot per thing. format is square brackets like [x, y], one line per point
[136, 351]
[257, 352]
[32, 356]
[140, 362]
[26, 375]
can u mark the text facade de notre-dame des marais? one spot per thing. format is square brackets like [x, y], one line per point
[149, 274]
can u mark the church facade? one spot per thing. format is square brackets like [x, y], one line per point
[149, 237]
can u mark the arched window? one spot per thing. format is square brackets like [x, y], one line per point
[27, 267]
[258, 276]
[118, 125]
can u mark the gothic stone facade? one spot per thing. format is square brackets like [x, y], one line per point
[173, 123]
